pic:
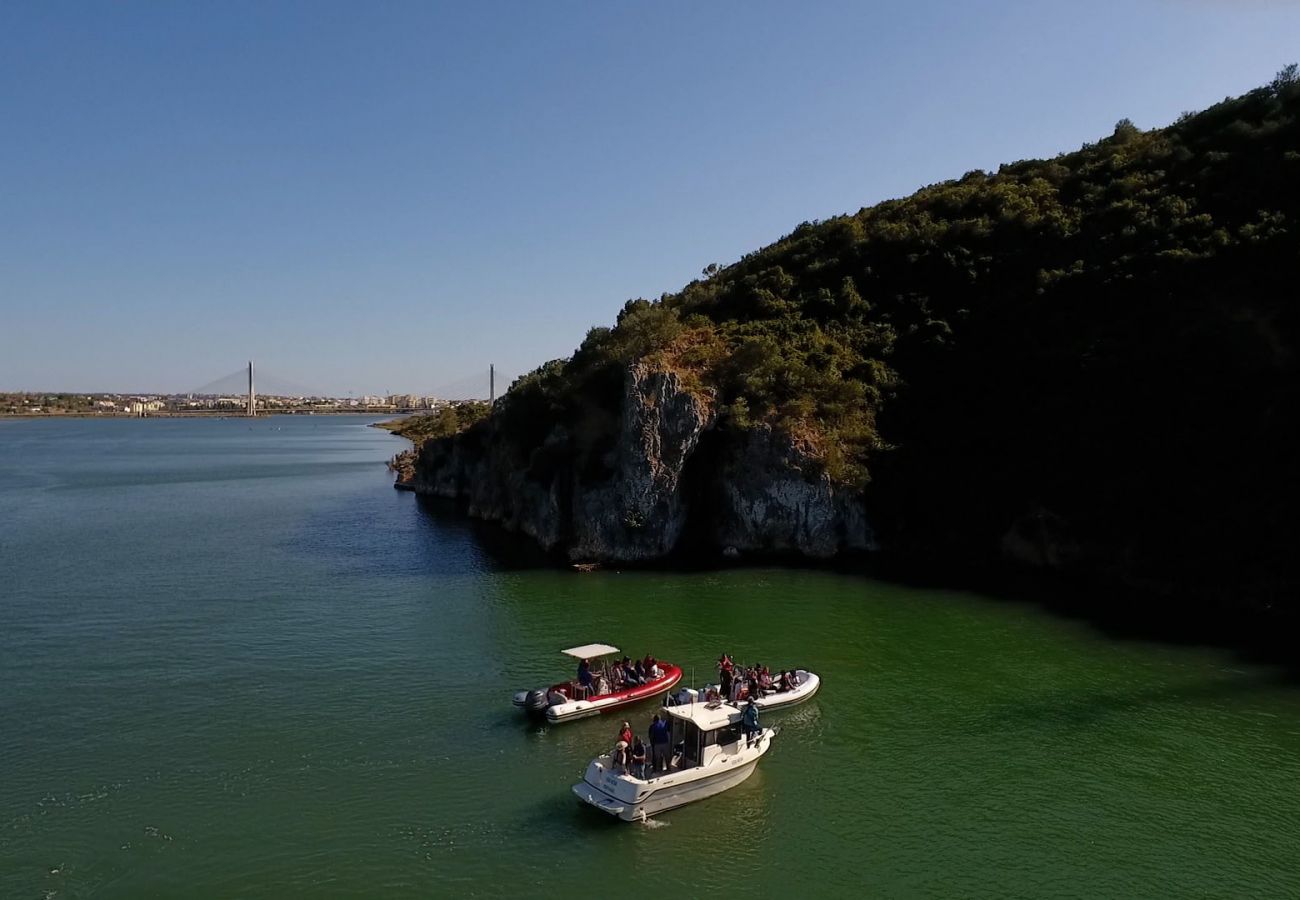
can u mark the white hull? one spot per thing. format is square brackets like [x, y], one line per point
[809, 683]
[633, 799]
[783, 699]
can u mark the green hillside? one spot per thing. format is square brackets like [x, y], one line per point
[1103, 343]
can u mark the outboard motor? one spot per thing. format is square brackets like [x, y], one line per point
[535, 701]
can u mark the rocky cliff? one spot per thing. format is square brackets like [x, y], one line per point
[672, 478]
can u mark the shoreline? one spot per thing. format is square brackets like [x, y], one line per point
[197, 414]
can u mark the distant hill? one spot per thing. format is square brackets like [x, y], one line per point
[1086, 362]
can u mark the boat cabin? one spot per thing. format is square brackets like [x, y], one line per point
[703, 732]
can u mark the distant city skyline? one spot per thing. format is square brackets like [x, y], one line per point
[375, 200]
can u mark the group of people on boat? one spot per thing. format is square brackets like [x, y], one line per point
[620, 675]
[630, 752]
[737, 684]
[631, 755]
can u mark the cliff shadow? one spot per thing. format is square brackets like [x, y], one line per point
[1121, 612]
[505, 550]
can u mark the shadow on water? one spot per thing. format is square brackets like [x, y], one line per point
[1117, 611]
[1121, 612]
[505, 550]
[1074, 709]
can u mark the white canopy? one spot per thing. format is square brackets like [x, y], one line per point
[586, 651]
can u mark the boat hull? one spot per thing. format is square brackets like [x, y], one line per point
[634, 799]
[809, 684]
[665, 798]
[582, 709]
[783, 699]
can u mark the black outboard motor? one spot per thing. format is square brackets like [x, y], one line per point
[536, 702]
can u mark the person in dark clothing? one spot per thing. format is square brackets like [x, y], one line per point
[660, 734]
[749, 721]
[638, 758]
[584, 677]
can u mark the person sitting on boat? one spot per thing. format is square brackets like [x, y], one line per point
[789, 681]
[555, 697]
[585, 681]
[647, 664]
[660, 734]
[749, 721]
[764, 679]
[653, 671]
[630, 675]
[638, 758]
[639, 668]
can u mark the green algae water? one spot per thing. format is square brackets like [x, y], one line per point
[235, 663]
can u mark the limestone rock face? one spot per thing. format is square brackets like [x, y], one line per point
[773, 497]
[755, 492]
[640, 513]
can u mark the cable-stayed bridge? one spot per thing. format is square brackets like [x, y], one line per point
[477, 386]
[246, 385]
[268, 385]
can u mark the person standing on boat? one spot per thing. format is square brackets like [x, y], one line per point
[724, 672]
[749, 721]
[660, 734]
[625, 733]
[638, 758]
[584, 677]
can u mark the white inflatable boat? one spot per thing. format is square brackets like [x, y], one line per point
[807, 684]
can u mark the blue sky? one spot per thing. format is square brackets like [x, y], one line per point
[385, 197]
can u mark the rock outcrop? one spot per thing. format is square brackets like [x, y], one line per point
[755, 491]
[773, 497]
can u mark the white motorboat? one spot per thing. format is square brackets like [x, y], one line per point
[570, 700]
[806, 684]
[710, 753]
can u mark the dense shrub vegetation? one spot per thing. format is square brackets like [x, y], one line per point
[1107, 337]
[444, 422]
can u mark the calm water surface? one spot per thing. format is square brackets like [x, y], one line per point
[235, 663]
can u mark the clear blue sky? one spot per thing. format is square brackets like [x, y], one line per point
[385, 196]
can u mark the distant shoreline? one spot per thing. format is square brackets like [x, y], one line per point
[198, 414]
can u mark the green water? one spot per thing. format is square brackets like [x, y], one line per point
[235, 663]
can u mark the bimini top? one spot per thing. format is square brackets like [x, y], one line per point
[586, 651]
[704, 717]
